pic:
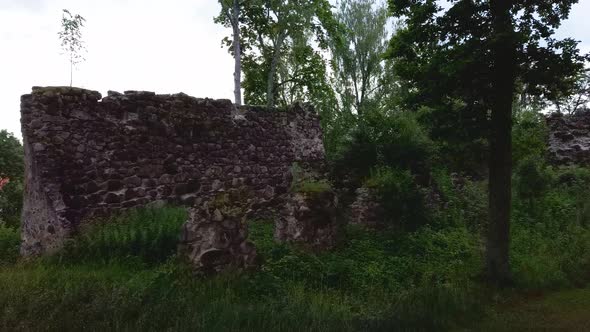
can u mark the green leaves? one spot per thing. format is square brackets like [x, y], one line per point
[12, 168]
[452, 46]
[444, 56]
[145, 235]
[11, 157]
[357, 58]
[71, 38]
[9, 244]
[280, 61]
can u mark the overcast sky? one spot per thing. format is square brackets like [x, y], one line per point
[163, 46]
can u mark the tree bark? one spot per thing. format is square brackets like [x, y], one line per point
[270, 84]
[71, 70]
[237, 53]
[500, 161]
[557, 106]
[357, 101]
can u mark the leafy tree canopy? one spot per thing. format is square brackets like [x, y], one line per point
[281, 43]
[443, 53]
[11, 156]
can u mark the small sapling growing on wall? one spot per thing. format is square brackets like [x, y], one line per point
[71, 38]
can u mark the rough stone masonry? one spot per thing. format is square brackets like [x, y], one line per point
[569, 138]
[86, 156]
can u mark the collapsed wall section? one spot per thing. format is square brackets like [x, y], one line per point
[86, 156]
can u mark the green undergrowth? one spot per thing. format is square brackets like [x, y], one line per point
[123, 273]
[304, 182]
[564, 310]
[148, 236]
[9, 243]
[313, 187]
[105, 280]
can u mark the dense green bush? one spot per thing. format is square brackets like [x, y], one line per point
[532, 179]
[543, 258]
[529, 135]
[459, 134]
[385, 151]
[374, 281]
[393, 140]
[465, 201]
[412, 277]
[389, 152]
[9, 244]
[11, 203]
[123, 272]
[147, 235]
[400, 197]
[402, 141]
[12, 168]
[551, 238]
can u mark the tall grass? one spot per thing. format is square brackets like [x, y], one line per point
[147, 235]
[550, 229]
[114, 278]
[9, 244]
[123, 273]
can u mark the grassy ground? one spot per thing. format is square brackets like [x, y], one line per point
[567, 310]
[123, 275]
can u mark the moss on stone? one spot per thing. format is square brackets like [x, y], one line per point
[50, 91]
[313, 186]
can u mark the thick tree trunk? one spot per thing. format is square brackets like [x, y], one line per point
[500, 162]
[270, 83]
[237, 53]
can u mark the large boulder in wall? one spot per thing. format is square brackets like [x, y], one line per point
[309, 219]
[215, 238]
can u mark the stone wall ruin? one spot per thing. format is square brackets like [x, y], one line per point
[89, 156]
[569, 138]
